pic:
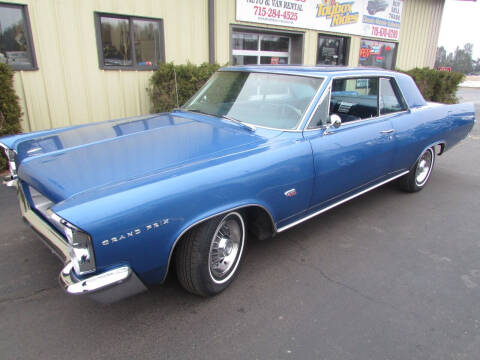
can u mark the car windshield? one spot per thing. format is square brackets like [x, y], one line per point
[261, 99]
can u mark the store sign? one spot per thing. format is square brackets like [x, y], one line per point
[373, 18]
[445, 68]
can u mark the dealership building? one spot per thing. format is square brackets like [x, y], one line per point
[81, 61]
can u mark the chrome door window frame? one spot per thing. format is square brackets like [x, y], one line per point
[329, 88]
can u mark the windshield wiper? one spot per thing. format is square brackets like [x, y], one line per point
[241, 123]
[236, 121]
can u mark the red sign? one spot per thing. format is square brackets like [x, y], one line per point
[445, 68]
[365, 52]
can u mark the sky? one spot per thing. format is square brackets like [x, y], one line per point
[460, 25]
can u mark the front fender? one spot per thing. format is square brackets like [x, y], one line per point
[140, 222]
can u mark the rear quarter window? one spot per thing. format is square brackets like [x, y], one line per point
[391, 100]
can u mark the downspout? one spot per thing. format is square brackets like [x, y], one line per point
[211, 31]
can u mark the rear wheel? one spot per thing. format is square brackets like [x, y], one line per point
[418, 176]
[207, 259]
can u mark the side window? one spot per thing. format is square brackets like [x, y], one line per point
[390, 99]
[354, 98]
[321, 115]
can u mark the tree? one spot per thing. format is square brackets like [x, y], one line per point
[476, 66]
[10, 111]
[441, 57]
[461, 60]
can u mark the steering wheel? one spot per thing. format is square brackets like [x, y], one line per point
[291, 108]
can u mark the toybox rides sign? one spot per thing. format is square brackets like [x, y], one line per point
[373, 18]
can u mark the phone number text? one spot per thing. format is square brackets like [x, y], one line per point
[384, 32]
[275, 13]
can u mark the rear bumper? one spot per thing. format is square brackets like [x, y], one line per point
[105, 287]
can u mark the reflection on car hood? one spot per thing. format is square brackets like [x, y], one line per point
[76, 160]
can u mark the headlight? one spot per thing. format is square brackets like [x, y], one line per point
[81, 249]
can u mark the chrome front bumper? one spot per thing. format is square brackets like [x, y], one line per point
[105, 287]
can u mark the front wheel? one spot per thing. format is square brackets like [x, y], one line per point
[418, 176]
[207, 259]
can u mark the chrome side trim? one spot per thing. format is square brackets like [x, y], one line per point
[373, 118]
[49, 237]
[286, 227]
[208, 218]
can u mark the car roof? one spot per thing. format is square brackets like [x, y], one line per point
[316, 71]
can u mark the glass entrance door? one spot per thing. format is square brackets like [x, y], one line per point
[256, 48]
[331, 50]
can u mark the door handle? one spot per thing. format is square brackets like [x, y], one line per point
[387, 131]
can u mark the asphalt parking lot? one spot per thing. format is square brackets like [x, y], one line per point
[389, 275]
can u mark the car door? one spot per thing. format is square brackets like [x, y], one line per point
[357, 154]
[410, 135]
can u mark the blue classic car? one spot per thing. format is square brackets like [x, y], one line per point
[258, 150]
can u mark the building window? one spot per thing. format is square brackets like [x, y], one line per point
[377, 53]
[126, 42]
[252, 46]
[331, 50]
[16, 48]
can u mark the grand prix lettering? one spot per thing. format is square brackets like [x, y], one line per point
[338, 13]
[134, 232]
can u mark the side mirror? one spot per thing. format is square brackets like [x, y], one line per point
[334, 121]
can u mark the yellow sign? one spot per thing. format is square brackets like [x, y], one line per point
[338, 13]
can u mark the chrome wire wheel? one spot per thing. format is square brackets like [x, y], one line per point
[424, 167]
[226, 248]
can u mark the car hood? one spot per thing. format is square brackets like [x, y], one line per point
[75, 160]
